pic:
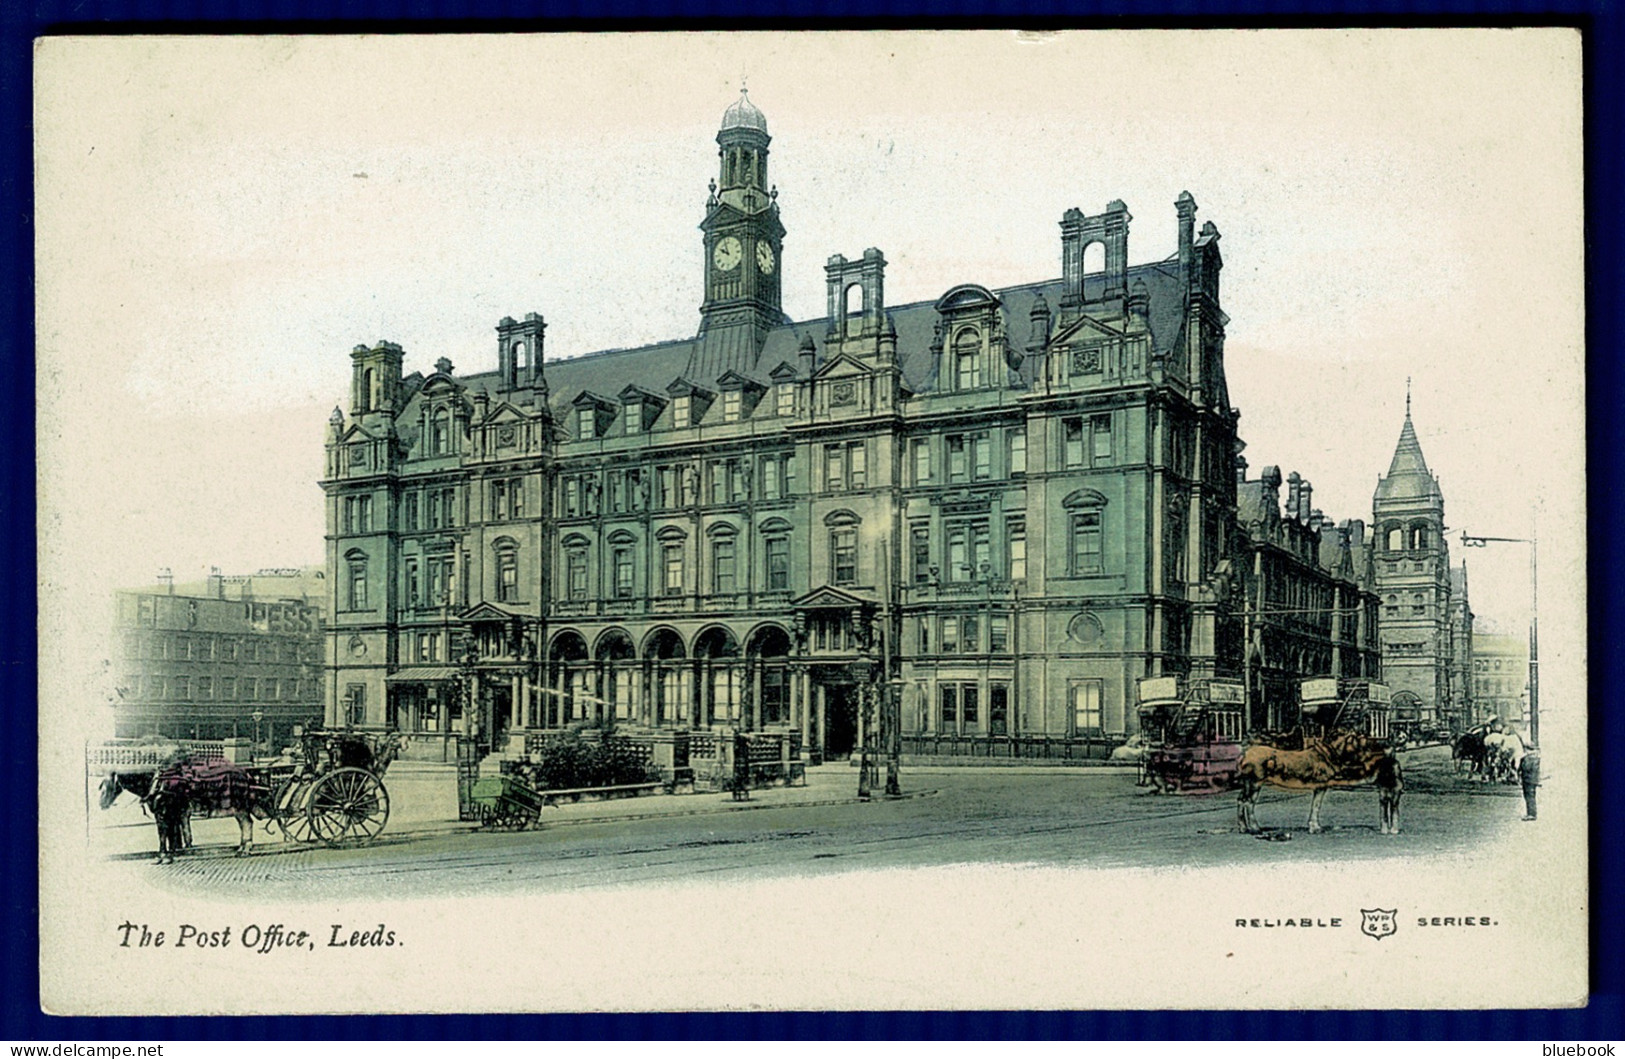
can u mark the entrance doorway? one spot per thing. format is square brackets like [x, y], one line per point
[840, 720]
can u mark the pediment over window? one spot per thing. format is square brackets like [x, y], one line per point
[830, 597]
[574, 540]
[622, 536]
[783, 373]
[1085, 328]
[966, 296]
[1084, 498]
[486, 612]
[842, 365]
[775, 525]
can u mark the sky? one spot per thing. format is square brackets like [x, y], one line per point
[221, 220]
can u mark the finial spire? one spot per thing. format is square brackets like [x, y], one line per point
[1407, 397]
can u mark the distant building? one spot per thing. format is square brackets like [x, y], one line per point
[1424, 604]
[1501, 675]
[200, 660]
[1308, 607]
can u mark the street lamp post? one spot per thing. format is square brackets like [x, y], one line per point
[258, 717]
[1534, 624]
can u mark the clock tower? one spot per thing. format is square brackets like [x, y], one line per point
[743, 238]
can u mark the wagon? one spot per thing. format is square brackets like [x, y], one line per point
[506, 803]
[1193, 734]
[335, 793]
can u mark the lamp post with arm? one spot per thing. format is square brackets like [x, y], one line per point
[1534, 624]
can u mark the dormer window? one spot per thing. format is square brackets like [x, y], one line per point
[682, 407]
[730, 406]
[634, 417]
[786, 399]
[585, 422]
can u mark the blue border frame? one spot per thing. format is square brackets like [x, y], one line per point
[20, 1018]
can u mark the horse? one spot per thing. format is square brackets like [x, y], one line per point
[1467, 753]
[176, 792]
[1503, 753]
[1341, 759]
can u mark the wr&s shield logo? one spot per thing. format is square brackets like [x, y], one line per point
[1379, 922]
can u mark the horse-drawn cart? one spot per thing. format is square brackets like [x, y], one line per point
[330, 790]
[1193, 734]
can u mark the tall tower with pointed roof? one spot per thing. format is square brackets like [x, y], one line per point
[1412, 577]
[743, 238]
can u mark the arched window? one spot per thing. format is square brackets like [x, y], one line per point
[1396, 539]
[356, 581]
[968, 359]
[853, 300]
[1419, 536]
[505, 551]
[843, 547]
[440, 432]
[369, 385]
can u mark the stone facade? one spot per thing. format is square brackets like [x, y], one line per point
[1426, 620]
[1501, 677]
[199, 661]
[1006, 505]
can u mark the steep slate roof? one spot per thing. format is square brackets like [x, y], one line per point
[654, 367]
[1408, 476]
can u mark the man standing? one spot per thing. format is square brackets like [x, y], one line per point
[1529, 773]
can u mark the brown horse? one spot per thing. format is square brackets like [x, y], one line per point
[1342, 758]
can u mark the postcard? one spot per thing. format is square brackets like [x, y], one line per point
[779, 521]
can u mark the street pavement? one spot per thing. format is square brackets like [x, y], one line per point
[1093, 816]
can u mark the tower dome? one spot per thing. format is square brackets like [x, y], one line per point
[743, 114]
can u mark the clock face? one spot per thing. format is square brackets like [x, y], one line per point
[728, 254]
[764, 258]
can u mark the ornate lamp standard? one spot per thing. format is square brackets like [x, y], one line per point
[1534, 625]
[863, 672]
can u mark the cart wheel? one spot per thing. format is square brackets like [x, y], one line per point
[296, 827]
[348, 803]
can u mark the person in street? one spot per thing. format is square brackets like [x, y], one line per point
[1390, 783]
[741, 778]
[1529, 774]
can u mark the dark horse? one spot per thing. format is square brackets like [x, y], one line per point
[1468, 750]
[176, 792]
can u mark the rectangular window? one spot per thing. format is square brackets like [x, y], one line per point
[857, 464]
[925, 636]
[205, 688]
[623, 573]
[968, 704]
[778, 564]
[957, 469]
[410, 515]
[1102, 430]
[673, 561]
[572, 496]
[1086, 543]
[668, 487]
[228, 688]
[970, 634]
[920, 553]
[722, 566]
[717, 478]
[1015, 549]
[1072, 438]
[950, 707]
[843, 550]
[448, 505]
[834, 468]
[736, 481]
[576, 562]
[516, 497]
[1086, 715]
[958, 565]
[584, 422]
[270, 689]
[1015, 446]
[786, 399]
[414, 586]
[634, 417]
[434, 509]
[998, 633]
[182, 688]
[982, 450]
[950, 635]
[731, 405]
[251, 689]
[922, 460]
[680, 410]
[772, 483]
